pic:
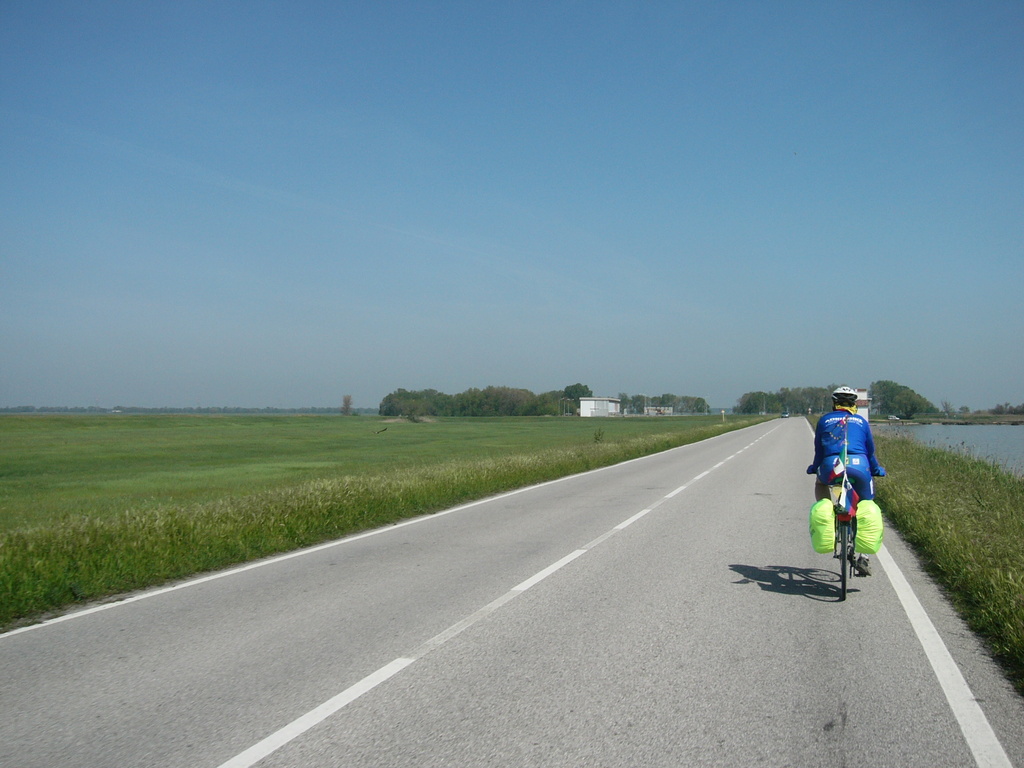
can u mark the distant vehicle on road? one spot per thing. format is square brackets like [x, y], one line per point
[894, 418]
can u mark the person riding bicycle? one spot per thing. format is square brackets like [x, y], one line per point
[841, 429]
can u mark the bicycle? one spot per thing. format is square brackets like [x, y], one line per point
[846, 535]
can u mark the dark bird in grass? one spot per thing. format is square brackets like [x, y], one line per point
[378, 431]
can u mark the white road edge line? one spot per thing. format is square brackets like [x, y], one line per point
[977, 731]
[314, 717]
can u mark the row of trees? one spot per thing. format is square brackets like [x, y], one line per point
[1006, 408]
[886, 397]
[799, 400]
[898, 400]
[491, 401]
[509, 401]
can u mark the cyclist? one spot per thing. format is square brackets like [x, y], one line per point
[844, 428]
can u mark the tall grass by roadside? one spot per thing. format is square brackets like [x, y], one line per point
[47, 568]
[964, 516]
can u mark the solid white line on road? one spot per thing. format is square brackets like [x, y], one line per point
[981, 739]
[297, 727]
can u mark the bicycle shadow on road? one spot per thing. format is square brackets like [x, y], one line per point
[812, 583]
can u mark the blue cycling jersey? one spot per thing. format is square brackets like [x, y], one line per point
[838, 426]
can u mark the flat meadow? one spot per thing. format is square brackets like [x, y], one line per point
[96, 505]
[56, 467]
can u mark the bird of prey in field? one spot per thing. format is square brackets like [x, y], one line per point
[378, 431]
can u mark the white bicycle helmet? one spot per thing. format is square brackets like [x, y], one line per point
[845, 396]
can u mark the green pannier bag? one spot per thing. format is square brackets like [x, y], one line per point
[823, 527]
[869, 528]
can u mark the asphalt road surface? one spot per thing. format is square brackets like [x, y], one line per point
[668, 611]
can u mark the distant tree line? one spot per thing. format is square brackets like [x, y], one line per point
[490, 401]
[510, 401]
[786, 400]
[1006, 409]
[886, 397]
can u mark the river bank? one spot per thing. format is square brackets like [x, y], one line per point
[994, 442]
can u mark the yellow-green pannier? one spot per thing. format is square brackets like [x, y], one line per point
[869, 527]
[823, 527]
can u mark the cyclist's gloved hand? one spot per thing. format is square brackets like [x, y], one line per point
[880, 472]
[811, 470]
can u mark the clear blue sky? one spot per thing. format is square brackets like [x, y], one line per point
[280, 203]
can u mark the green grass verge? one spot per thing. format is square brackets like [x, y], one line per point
[55, 467]
[149, 514]
[963, 515]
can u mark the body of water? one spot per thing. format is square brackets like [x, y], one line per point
[1002, 444]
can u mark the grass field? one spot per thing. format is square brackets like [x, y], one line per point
[92, 506]
[55, 467]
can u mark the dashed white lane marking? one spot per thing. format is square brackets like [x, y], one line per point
[297, 727]
[541, 575]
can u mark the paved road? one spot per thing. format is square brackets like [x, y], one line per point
[665, 612]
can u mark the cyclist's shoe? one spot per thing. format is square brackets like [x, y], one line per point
[862, 566]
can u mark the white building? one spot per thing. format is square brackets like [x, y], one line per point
[599, 406]
[863, 402]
